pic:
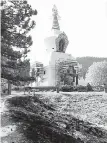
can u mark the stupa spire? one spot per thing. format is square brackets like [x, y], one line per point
[55, 24]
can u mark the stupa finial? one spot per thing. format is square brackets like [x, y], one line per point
[55, 24]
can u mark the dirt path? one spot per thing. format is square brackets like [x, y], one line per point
[8, 131]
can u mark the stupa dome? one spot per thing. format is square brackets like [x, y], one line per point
[56, 40]
[50, 40]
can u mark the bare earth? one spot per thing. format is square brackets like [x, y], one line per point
[8, 131]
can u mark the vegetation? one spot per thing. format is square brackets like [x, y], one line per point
[86, 62]
[15, 40]
[67, 88]
[97, 73]
[51, 118]
[37, 121]
[65, 73]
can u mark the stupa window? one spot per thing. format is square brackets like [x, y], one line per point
[61, 45]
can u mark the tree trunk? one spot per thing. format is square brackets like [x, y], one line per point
[57, 89]
[77, 80]
[9, 88]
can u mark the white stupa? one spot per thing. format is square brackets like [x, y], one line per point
[56, 43]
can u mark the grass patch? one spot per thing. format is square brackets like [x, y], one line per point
[37, 121]
[44, 118]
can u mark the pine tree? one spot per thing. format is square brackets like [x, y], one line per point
[16, 23]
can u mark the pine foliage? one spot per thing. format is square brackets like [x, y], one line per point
[16, 23]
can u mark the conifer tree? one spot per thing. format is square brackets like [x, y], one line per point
[16, 23]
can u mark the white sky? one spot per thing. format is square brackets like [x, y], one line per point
[83, 21]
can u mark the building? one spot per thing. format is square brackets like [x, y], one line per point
[56, 44]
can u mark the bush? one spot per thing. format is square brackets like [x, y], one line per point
[16, 88]
[4, 87]
[4, 91]
[89, 87]
[67, 88]
[98, 88]
[81, 88]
